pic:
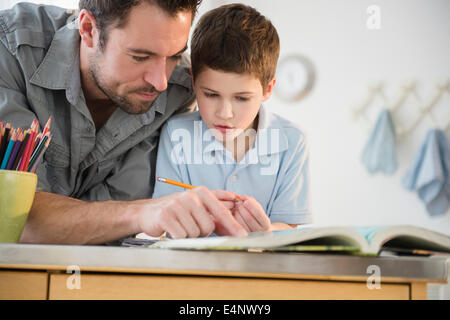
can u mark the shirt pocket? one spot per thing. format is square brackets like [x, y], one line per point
[57, 156]
[57, 162]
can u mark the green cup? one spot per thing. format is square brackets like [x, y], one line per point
[17, 191]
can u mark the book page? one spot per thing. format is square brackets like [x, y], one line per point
[318, 237]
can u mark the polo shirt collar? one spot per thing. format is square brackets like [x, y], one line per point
[271, 137]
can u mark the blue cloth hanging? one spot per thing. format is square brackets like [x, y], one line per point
[429, 174]
[379, 153]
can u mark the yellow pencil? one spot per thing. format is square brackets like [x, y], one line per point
[185, 185]
[176, 183]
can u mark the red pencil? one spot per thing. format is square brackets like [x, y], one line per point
[2, 128]
[47, 126]
[19, 156]
[33, 142]
[25, 158]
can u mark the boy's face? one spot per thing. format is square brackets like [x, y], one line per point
[229, 102]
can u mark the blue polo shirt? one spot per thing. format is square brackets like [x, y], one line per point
[274, 170]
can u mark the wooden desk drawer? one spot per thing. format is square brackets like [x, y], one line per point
[23, 285]
[155, 287]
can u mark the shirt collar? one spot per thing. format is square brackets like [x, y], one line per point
[271, 138]
[179, 77]
[60, 68]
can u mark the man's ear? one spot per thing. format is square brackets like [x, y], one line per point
[87, 28]
[269, 89]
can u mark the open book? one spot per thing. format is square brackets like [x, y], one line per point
[354, 240]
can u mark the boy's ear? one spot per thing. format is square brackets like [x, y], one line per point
[269, 89]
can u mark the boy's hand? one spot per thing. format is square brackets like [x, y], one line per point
[250, 214]
[227, 198]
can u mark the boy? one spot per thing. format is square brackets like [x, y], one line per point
[233, 143]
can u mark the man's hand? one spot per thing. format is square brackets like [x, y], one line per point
[190, 214]
[250, 214]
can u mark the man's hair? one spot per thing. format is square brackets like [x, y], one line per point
[110, 14]
[236, 38]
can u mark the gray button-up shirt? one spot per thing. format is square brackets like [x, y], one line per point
[40, 76]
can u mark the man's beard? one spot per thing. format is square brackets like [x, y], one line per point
[121, 101]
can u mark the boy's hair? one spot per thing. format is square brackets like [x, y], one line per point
[110, 14]
[236, 38]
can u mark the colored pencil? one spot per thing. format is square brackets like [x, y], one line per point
[23, 161]
[25, 152]
[2, 129]
[47, 125]
[23, 146]
[15, 151]
[22, 150]
[40, 156]
[33, 141]
[38, 151]
[5, 140]
[36, 144]
[8, 150]
[176, 183]
[184, 185]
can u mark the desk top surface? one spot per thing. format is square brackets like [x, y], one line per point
[222, 263]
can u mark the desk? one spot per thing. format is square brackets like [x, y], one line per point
[40, 272]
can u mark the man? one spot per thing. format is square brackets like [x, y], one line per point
[109, 79]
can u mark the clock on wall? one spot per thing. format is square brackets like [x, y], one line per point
[295, 78]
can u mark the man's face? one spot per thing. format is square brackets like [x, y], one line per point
[137, 60]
